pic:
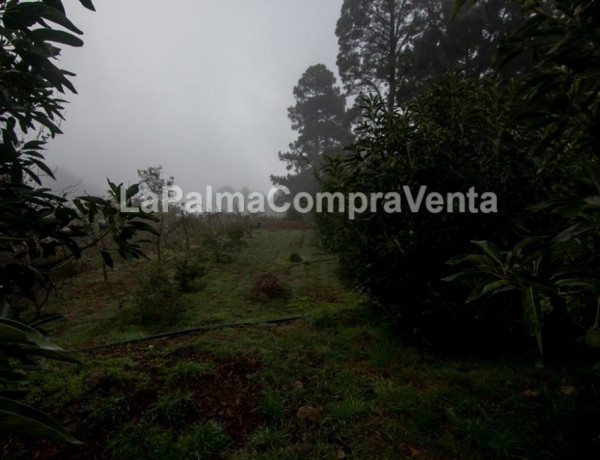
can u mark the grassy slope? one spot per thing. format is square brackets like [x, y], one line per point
[332, 386]
[101, 313]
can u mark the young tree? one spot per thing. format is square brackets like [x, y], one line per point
[319, 117]
[152, 182]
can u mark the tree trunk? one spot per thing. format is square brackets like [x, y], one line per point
[158, 239]
[185, 231]
[393, 41]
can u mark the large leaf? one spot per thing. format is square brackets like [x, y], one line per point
[56, 4]
[58, 36]
[32, 341]
[477, 259]
[532, 314]
[88, 4]
[588, 285]
[24, 15]
[107, 258]
[19, 418]
[491, 250]
[493, 287]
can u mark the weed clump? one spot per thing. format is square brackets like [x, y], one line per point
[265, 438]
[142, 440]
[173, 410]
[203, 440]
[185, 372]
[268, 287]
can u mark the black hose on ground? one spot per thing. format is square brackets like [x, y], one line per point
[190, 330]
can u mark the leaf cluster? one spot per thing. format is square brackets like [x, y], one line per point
[38, 228]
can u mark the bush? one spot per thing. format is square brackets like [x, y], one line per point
[157, 299]
[457, 135]
[186, 272]
[222, 240]
[557, 278]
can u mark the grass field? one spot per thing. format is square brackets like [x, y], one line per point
[336, 384]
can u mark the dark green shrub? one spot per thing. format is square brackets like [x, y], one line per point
[555, 271]
[459, 134]
[235, 231]
[186, 272]
[39, 230]
[221, 241]
[157, 299]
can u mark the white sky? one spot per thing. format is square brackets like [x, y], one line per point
[199, 86]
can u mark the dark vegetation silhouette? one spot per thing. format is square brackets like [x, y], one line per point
[319, 116]
[491, 95]
[40, 230]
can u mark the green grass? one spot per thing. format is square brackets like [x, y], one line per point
[240, 393]
[186, 372]
[100, 312]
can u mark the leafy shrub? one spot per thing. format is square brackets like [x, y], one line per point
[555, 277]
[186, 272]
[458, 135]
[525, 138]
[157, 299]
[559, 279]
[39, 229]
[21, 346]
[235, 231]
[222, 240]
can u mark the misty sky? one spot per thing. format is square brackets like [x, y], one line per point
[199, 86]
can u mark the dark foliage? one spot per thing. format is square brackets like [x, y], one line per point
[39, 229]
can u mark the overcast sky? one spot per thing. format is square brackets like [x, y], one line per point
[201, 87]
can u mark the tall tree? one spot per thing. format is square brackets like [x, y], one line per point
[394, 47]
[319, 117]
[467, 38]
[372, 36]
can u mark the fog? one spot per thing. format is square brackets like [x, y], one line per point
[200, 87]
